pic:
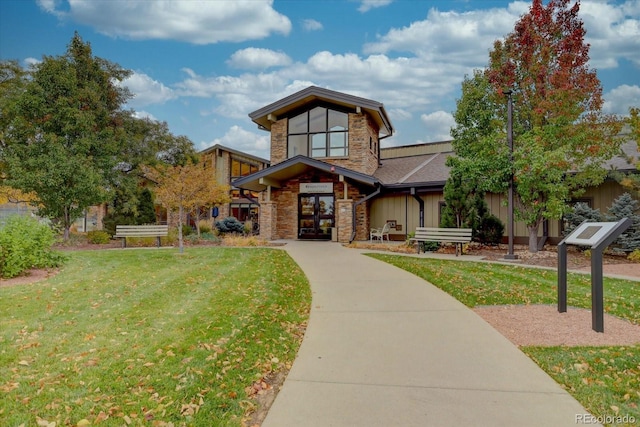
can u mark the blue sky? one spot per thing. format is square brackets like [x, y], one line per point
[203, 66]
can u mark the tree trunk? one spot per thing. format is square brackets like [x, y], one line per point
[533, 237]
[180, 245]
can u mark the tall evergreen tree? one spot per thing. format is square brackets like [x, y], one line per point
[626, 206]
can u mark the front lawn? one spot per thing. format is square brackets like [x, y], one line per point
[149, 337]
[605, 380]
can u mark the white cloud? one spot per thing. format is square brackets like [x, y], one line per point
[613, 31]
[31, 61]
[620, 99]
[195, 21]
[311, 25]
[144, 115]
[449, 37]
[438, 125]
[147, 91]
[366, 5]
[256, 58]
[242, 140]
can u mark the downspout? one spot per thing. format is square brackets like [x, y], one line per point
[249, 197]
[380, 138]
[355, 207]
[421, 204]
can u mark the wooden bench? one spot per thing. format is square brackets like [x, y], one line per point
[459, 236]
[124, 231]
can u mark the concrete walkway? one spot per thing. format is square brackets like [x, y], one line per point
[385, 348]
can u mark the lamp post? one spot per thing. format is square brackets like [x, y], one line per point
[510, 254]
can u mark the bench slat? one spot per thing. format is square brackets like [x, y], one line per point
[442, 235]
[124, 231]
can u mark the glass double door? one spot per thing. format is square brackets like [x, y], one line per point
[316, 216]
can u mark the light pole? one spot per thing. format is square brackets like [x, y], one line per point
[510, 254]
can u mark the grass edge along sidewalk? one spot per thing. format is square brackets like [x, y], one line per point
[149, 337]
[605, 380]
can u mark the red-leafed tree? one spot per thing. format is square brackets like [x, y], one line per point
[561, 137]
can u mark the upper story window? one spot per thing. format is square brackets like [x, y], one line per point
[319, 132]
[240, 169]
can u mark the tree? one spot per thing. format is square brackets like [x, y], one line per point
[149, 143]
[64, 134]
[182, 188]
[561, 136]
[459, 197]
[626, 206]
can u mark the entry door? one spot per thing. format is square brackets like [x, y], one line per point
[315, 216]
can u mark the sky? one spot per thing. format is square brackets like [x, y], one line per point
[203, 66]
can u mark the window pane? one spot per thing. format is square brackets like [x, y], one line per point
[318, 120]
[319, 145]
[297, 145]
[298, 124]
[338, 120]
[245, 169]
[318, 140]
[338, 139]
[235, 168]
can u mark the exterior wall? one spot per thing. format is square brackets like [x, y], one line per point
[415, 150]
[279, 141]
[286, 202]
[362, 158]
[220, 160]
[405, 210]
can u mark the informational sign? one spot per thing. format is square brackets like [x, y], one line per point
[596, 235]
[316, 187]
[590, 233]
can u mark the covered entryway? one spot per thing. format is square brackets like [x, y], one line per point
[316, 216]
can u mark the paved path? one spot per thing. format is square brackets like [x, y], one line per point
[385, 348]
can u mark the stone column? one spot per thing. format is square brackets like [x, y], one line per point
[268, 218]
[344, 219]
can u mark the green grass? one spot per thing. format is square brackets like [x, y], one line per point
[605, 380]
[149, 337]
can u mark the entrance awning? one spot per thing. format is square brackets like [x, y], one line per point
[275, 176]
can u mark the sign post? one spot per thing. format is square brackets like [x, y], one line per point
[597, 235]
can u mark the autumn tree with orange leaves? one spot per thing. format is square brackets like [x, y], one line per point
[561, 136]
[184, 188]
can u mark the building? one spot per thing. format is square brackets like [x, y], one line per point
[228, 166]
[330, 179]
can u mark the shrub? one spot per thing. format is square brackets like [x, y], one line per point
[634, 256]
[25, 244]
[204, 225]
[490, 230]
[186, 230]
[98, 237]
[230, 225]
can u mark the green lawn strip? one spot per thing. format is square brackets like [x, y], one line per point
[605, 380]
[143, 336]
[482, 283]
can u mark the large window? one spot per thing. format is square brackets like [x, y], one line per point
[319, 132]
[239, 169]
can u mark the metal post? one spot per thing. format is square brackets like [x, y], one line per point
[597, 291]
[510, 254]
[562, 277]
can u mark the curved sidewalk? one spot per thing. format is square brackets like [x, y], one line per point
[385, 348]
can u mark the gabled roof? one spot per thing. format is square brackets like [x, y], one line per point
[427, 170]
[234, 151]
[265, 116]
[290, 168]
